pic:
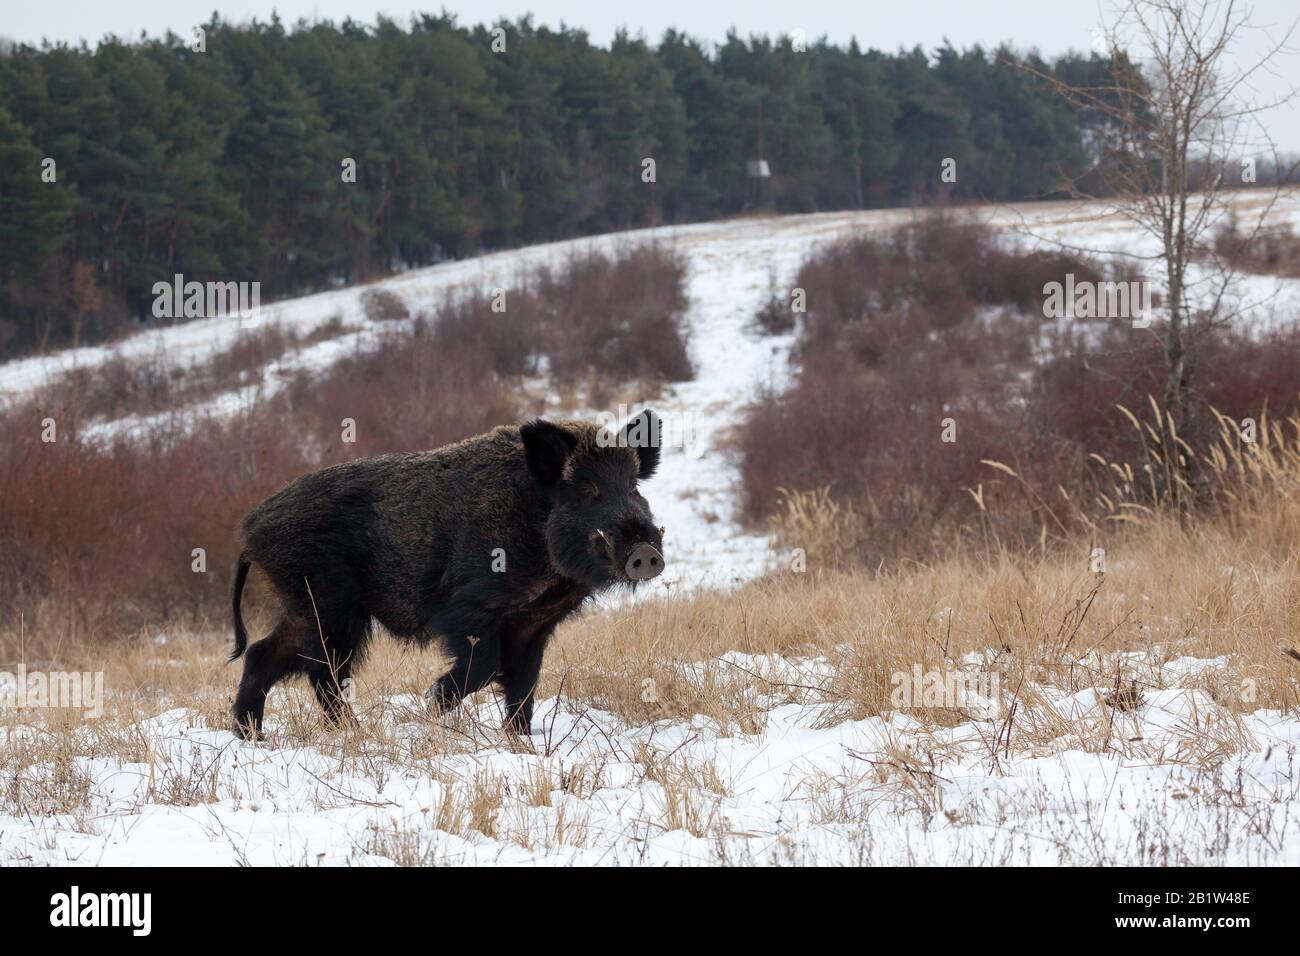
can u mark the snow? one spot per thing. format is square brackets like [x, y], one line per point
[589, 789]
[880, 790]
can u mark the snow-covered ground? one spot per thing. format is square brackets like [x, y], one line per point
[592, 791]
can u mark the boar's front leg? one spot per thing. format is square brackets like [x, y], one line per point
[523, 644]
[477, 663]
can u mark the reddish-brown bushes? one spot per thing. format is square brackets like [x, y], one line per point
[948, 268]
[910, 337]
[597, 321]
[121, 386]
[1073, 395]
[1272, 251]
[381, 305]
[410, 391]
[98, 536]
[936, 323]
[868, 419]
[625, 315]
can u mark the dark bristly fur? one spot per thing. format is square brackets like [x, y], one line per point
[410, 540]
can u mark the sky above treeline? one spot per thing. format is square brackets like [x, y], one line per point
[1052, 27]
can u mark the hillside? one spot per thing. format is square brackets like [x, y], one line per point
[727, 715]
[733, 266]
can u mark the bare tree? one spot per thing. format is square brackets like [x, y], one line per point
[1178, 128]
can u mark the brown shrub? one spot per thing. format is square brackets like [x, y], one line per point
[624, 316]
[97, 537]
[381, 305]
[775, 316]
[1072, 403]
[619, 319]
[1274, 250]
[410, 391]
[947, 266]
[120, 386]
[935, 322]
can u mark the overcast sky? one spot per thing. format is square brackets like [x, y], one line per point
[1051, 26]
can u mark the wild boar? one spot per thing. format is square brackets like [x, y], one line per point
[486, 544]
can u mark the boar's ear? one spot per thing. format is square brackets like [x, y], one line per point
[642, 434]
[546, 446]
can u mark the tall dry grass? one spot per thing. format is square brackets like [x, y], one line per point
[1149, 583]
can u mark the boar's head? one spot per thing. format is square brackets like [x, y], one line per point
[599, 529]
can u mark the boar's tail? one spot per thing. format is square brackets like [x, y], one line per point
[241, 635]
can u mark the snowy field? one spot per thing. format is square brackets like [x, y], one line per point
[590, 788]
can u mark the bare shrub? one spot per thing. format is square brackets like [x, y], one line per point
[935, 327]
[597, 319]
[381, 305]
[120, 386]
[775, 317]
[622, 316]
[1274, 250]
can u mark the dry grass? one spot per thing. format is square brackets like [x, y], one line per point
[1148, 577]
[1222, 582]
[826, 640]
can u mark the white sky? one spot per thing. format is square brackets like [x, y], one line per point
[1051, 26]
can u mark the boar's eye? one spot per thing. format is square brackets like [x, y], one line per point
[587, 491]
[631, 485]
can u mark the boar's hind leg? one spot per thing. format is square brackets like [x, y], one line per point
[266, 663]
[478, 663]
[336, 649]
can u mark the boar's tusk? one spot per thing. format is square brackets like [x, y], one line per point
[609, 541]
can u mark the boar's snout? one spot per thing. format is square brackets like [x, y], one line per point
[644, 562]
